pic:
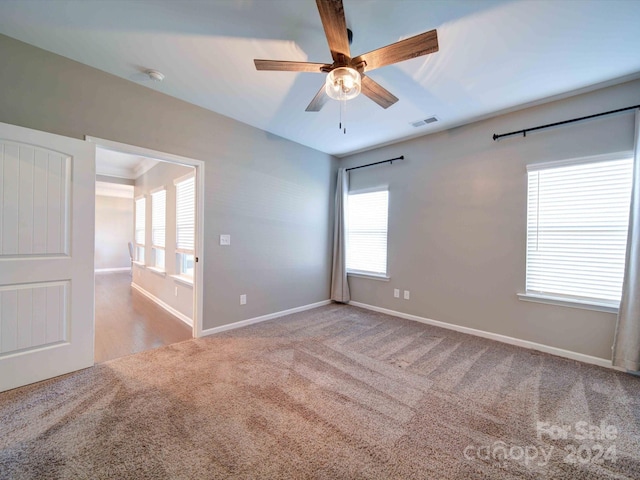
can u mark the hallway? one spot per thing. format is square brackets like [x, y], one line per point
[127, 322]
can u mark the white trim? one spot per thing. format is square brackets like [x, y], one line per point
[199, 250]
[157, 271]
[165, 306]
[183, 279]
[183, 178]
[158, 189]
[263, 318]
[581, 357]
[141, 151]
[198, 279]
[533, 167]
[585, 304]
[373, 276]
[107, 270]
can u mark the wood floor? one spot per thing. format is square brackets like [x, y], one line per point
[127, 322]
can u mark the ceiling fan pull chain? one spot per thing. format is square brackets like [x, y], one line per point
[343, 114]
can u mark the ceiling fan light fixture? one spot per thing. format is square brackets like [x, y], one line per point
[343, 83]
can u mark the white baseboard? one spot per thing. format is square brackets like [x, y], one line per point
[581, 357]
[263, 318]
[107, 270]
[160, 303]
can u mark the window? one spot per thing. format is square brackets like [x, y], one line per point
[158, 227]
[139, 234]
[185, 225]
[367, 232]
[577, 219]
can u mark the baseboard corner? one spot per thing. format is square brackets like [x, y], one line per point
[262, 318]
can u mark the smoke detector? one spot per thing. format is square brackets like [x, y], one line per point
[155, 75]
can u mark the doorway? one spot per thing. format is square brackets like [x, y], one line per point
[148, 280]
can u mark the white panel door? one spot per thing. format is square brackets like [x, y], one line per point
[47, 209]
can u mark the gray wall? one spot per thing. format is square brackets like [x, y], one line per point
[114, 230]
[270, 194]
[174, 293]
[457, 219]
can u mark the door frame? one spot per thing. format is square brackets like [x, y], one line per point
[199, 237]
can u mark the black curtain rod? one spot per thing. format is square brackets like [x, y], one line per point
[391, 160]
[549, 125]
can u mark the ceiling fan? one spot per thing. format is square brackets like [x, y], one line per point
[346, 75]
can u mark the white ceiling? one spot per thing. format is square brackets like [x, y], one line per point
[122, 165]
[494, 55]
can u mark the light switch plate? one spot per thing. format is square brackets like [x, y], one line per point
[396, 292]
[225, 239]
[407, 294]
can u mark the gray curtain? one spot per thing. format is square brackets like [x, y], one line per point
[339, 284]
[626, 346]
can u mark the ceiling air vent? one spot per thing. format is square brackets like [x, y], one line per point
[426, 121]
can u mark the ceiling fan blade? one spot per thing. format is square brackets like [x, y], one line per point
[335, 27]
[284, 66]
[377, 92]
[318, 101]
[413, 47]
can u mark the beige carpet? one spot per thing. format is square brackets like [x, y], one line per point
[333, 393]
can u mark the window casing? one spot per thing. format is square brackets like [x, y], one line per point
[577, 221]
[158, 227]
[185, 225]
[140, 228]
[367, 223]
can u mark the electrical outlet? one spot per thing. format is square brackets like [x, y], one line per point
[407, 294]
[396, 292]
[176, 291]
[225, 239]
[243, 299]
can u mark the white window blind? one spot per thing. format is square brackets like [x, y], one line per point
[185, 214]
[158, 218]
[141, 205]
[367, 217]
[577, 223]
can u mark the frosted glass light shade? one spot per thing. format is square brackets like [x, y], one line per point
[343, 83]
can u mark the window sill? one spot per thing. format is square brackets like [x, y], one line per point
[157, 271]
[139, 264]
[372, 276]
[188, 281]
[598, 306]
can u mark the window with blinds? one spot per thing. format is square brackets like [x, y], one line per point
[139, 230]
[158, 226]
[577, 219]
[367, 216]
[185, 225]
